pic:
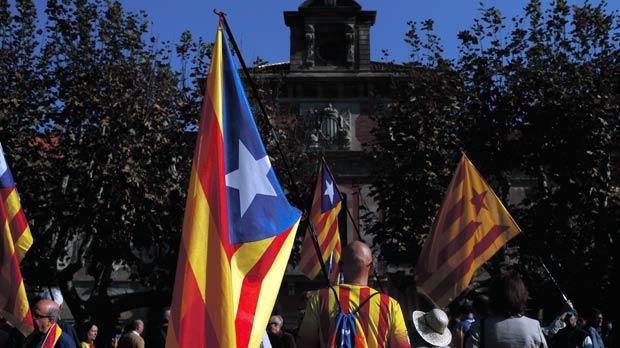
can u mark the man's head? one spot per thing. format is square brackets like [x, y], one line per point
[571, 319]
[45, 314]
[275, 324]
[595, 318]
[356, 263]
[137, 326]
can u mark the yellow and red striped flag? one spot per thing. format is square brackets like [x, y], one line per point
[52, 337]
[15, 241]
[238, 228]
[326, 206]
[472, 225]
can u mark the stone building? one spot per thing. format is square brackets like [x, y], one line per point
[331, 85]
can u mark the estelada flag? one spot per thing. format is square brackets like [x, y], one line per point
[326, 206]
[472, 225]
[238, 228]
[15, 240]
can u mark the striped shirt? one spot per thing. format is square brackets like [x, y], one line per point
[379, 322]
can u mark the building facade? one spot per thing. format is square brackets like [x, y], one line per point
[331, 86]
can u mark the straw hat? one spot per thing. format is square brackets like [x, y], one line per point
[433, 326]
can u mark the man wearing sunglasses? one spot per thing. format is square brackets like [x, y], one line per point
[277, 336]
[47, 333]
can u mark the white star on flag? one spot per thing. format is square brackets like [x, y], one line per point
[3, 165]
[250, 178]
[329, 191]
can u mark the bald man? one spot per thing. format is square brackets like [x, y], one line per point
[379, 319]
[47, 333]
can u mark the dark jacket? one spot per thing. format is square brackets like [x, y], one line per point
[569, 337]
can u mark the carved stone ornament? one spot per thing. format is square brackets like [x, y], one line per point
[328, 128]
[309, 33]
[350, 40]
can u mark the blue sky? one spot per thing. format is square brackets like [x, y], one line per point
[260, 31]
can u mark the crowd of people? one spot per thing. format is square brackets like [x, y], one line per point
[51, 331]
[494, 321]
[355, 314]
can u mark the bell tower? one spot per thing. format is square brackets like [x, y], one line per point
[330, 35]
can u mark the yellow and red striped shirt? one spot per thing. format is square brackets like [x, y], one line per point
[380, 321]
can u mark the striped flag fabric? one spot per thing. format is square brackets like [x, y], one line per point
[15, 241]
[471, 226]
[326, 206]
[52, 337]
[238, 228]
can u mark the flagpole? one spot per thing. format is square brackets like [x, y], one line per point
[554, 282]
[263, 111]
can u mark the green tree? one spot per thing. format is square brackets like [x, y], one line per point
[539, 102]
[99, 129]
[416, 134]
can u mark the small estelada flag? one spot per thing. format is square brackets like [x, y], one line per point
[326, 206]
[15, 240]
[472, 225]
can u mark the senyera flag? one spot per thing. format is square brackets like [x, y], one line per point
[326, 206]
[238, 228]
[471, 226]
[15, 241]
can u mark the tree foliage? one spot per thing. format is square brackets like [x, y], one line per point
[536, 100]
[420, 124]
[98, 128]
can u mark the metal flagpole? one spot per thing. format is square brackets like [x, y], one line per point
[555, 282]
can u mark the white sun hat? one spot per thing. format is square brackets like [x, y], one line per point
[433, 326]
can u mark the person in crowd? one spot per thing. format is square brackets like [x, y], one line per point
[507, 327]
[594, 327]
[47, 332]
[277, 336]
[132, 339]
[467, 318]
[571, 336]
[379, 315]
[559, 322]
[431, 329]
[481, 310]
[89, 335]
[54, 294]
[461, 325]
